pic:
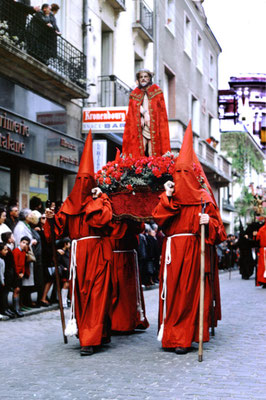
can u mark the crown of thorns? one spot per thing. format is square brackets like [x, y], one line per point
[151, 74]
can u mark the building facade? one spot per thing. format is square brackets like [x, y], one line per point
[42, 81]
[186, 67]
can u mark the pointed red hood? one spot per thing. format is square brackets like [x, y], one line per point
[117, 157]
[188, 188]
[85, 181]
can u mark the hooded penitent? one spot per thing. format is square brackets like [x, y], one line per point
[81, 192]
[190, 188]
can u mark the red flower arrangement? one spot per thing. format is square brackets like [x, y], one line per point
[128, 174]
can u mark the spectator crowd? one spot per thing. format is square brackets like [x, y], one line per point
[27, 270]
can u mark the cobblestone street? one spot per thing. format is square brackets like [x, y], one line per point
[35, 364]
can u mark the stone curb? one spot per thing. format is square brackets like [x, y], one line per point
[33, 311]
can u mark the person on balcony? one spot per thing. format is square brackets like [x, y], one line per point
[41, 33]
[146, 130]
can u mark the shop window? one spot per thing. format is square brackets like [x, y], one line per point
[32, 106]
[39, 186]
[5, 184]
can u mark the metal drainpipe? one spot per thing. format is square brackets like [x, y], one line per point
[85, 37]
[156, 44]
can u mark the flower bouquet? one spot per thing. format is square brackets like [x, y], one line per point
[134, 185]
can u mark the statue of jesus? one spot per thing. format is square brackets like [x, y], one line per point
[146, 130]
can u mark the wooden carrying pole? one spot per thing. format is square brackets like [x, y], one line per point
[202, 274]
[57, 279]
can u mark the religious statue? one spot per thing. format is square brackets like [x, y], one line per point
[146, 130]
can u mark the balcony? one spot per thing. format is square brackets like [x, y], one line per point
[143, 24]
[33, 55]
[112, 91]
[227, 206]
[118, 5]
[216, 167]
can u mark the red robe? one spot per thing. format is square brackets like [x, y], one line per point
[261, 236]
[126, 283]
[92, 292]
[159, 130]
[181, 325]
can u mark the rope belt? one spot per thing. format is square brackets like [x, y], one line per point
[71, 327]
[138, 291]
[167, 261]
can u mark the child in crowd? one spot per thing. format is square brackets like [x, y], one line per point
[10, 273]
[19, 254]
[3, 252]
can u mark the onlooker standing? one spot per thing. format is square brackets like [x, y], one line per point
[3, 252]
[3, 227]
[10, 272]
[37, 250]
[12, 217]
[23, 228]
[63, 265]
[19, 254]
[54, 10]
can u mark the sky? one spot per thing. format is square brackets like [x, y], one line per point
[240, 28]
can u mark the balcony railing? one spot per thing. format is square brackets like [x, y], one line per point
[118, 5]
[113, 92]
[30, 34]
[144, 20]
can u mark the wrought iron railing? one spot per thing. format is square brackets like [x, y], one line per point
[31, 34]
[145, 17]
[113, 92]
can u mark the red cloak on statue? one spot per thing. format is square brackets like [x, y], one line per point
[86, 220]
[159, 130]
[180, 268]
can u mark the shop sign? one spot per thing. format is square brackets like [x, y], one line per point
[104, 119]
[32, 141]
[10, 126]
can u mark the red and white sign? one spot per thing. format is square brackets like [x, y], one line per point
[104, 119]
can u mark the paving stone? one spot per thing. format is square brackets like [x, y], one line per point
[36, 364]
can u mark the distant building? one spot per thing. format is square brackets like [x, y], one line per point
[242, 111]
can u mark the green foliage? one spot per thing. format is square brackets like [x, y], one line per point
[242, 153]
[244, 205]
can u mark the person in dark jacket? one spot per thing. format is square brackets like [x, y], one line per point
[63, 257]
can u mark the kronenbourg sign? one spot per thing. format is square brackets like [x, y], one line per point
[104, 119]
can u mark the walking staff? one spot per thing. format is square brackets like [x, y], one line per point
[57, 277]
[202, 275]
